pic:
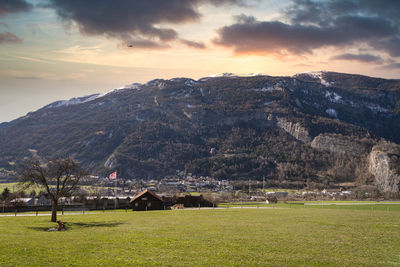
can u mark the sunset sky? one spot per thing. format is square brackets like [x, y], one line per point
[58, 49]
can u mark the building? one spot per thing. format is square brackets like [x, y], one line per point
[146, 200]
[193, 201]
[23, 201]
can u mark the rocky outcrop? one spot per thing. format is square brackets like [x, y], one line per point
[384, 162]
[340, 144]
[111, 161]
[294, 129]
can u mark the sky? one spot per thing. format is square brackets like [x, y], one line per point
[58, 49]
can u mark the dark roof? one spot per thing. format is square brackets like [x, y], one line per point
[144, 192]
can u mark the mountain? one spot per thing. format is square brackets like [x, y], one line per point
[73, 101]
[313, 129]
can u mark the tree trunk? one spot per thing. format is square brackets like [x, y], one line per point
[54, 204]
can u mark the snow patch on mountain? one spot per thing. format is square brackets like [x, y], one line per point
[190, 82]
[377, 108]
[88, 98]
[257, 74]
[218, 75]
[186, 81]
[276, 87]
[225, 74]
[333, 97]
[73, 101]
[134, 86]
[315, 75]
[160, 83]
[332, 112]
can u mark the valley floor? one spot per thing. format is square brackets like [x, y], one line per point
[216, 237]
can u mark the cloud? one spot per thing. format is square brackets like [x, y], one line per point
[395, 65]
[137, 23]
[193, 44]
[8, 37]
[324, 12]
[358, 57]
[308, 25]
[14, 6]
[391, 45]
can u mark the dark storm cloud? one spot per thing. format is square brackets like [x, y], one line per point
[359, 57]
[132, 21]
[13, 6]
[323, 12]
[250, 35]
[8, 37]
[391, 45]
[314, 24]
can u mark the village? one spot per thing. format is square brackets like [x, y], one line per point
[178, 191]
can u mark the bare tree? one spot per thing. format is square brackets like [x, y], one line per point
[58, 177]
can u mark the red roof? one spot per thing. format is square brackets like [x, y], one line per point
[144, 192]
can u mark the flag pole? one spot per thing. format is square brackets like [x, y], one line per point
[115, 191]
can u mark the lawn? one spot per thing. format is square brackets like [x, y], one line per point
[217, 237]
[349, 205]
[10, 186]
[14, 187]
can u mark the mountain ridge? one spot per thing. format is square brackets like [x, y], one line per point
[255, 126]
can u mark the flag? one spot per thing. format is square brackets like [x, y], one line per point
[113, 176]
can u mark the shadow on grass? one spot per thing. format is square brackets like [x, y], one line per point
[39, 228]
[71, 226]
[93, 224]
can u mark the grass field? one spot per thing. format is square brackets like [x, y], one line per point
[14, 187]
[213, 237]
[337, 205]
[10, 186]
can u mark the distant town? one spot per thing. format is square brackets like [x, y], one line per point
[105, 193]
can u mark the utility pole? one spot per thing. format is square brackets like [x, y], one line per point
[115, 194]
[263, 183]
[249, 187]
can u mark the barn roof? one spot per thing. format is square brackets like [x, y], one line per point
[144, 192]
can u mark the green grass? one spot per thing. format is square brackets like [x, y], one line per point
[220, 237]
[343, 201]
[347, 205]
[14, 187]
[10, 186]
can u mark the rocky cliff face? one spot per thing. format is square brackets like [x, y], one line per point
[384, 162]
[294, 129]
[337, 143]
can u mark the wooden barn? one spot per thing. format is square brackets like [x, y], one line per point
[146, 200]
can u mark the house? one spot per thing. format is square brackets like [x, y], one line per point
[331, 192]
[257, 198]
[42, 201]
[146, 200]
[23, 201]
